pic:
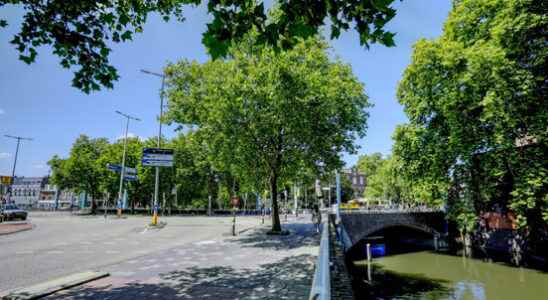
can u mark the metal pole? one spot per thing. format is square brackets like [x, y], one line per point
[122, 172]
[338, 179]
[13, 169]
[157, 175]
[329, 200]
[295, 203]
[18, 138]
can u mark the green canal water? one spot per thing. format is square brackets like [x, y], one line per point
[429, 275]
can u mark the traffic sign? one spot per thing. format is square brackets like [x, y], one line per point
[156, 157]
[6, 180]
[131, 171]
[129, 177]
[114, 168]
[118, 168]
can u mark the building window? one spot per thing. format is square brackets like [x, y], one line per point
[355, 180]
[361, 180]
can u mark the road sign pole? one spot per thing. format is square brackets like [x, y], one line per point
[122, 173]
[13, 169]
[18, 138]
[157, 177]
[123, 170]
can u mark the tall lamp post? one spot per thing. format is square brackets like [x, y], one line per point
[19, 139]
[123, 171]
[157, 176]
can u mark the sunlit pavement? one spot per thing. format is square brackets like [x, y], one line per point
[192, 257]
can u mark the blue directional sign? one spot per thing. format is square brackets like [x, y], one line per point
[114, 168]
[156, 157]
[118, 168]
[130, 177]
[132, 171]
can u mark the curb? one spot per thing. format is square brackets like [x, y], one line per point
[18, 230]
[47, 288]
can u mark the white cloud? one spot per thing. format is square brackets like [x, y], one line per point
[2, 111]
[131, 136]
[39, 166]
[4, 155]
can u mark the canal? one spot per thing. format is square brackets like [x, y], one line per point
[431, 275]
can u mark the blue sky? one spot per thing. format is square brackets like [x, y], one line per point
[38, 101]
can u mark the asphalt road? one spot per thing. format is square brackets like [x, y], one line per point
[62, 244]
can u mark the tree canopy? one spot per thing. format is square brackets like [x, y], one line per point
[478, 116]
[85, 171]
[271, 113]
[81, 32]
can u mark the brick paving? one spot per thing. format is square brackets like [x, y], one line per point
[9, 228]
[252, 265]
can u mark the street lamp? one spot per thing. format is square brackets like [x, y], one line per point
[157, 176]
[19, 139]
[123, 171]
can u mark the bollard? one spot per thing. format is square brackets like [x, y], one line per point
[368, 250]
[233, 222]
[369, 277]
[436, 243]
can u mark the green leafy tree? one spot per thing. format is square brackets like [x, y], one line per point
[272, 111]
[81, 32]
[110, 182]
[475, 99]
[369, 164]
[80, 171]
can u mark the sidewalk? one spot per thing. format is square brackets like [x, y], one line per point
[13, 227]
[249, 266]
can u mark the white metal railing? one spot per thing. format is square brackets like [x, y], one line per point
[321, 284]
[377, 210]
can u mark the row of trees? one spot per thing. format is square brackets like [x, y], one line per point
[85, 170]
[477, 135]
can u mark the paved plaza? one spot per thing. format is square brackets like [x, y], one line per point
[192, 257]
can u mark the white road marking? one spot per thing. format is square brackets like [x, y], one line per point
[205, 243]
[122, 274]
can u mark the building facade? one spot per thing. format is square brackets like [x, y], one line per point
[357, 180]
[26, 190]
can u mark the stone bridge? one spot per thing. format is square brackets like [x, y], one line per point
[358, 225]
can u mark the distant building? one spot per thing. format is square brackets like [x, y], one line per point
[357, 180]
[26, 190]
[51, 197]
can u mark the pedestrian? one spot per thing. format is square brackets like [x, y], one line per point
[316, 217]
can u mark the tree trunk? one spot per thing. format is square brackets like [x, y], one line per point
[276, 227]
[93, 206]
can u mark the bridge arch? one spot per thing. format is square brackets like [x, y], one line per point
[357, 226]
[416, 226]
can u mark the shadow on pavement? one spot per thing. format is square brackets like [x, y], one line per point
[301, 235]
[289, 278]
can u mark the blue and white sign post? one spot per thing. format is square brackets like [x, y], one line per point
[156, 157]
